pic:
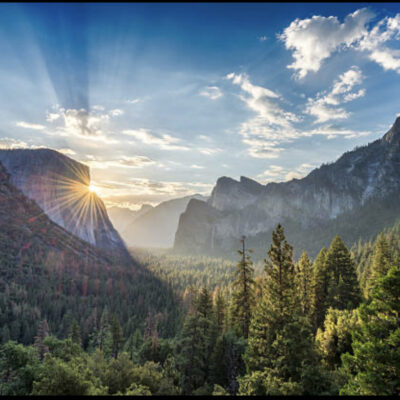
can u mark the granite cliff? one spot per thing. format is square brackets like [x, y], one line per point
[360, 180]
[59, 185]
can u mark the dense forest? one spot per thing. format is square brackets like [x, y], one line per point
[326, 326]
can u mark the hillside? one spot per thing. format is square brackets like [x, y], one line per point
[59, 185]
[47, 273]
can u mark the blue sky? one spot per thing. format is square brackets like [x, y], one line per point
[162, 99]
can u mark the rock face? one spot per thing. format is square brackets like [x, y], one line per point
[121, 217]
[365, 175]
[156, 226]
[59, 185]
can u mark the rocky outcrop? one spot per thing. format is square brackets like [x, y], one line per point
[59, 185]
[156, 226]
[365, 175]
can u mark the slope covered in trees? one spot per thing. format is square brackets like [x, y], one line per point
[301, 327]
[48, 274]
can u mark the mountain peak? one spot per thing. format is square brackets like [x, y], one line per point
[393, 133]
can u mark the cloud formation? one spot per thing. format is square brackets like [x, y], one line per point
[164, 141]
[276, 173]
[271, 123]
[212, 92]
[28, 125]
[325, 106]
[315, 39]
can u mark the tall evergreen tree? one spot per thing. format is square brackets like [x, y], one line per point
[220, 309]
[280, 358]
[43, 333]
[117, 335]
[304, 275]
[243, 293]
[320, 284]
[344, 291]
[374, 367]
[75, 332]
[382, 260]
[190, 358]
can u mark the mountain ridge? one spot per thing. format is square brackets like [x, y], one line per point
[246, 207]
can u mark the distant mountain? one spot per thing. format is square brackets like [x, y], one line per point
[60, 187]
[156, 227]
[48, 273]
[353, 197]
[121, 217]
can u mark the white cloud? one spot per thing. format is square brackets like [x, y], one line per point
[262, 38]
[276, 173]
[164, 141]
[271, 124]
[123, 162]
[195, 166]
[212, 92]
[208, 151]
[66, 151]
[133, 101]
[116, 112]
[313, 40]
[325, 106]
[29, 125]
[92, 126]
[332, 132]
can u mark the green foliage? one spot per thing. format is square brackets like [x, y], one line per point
[336, 336]
[343, 289]
[374, 368]
[280, 345]
[304, 275]
[242, 302]
[320, 285]
[61, 378]
[19, 367]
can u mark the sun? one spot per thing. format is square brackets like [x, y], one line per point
[92, 188]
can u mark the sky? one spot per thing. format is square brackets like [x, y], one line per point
[160, 100]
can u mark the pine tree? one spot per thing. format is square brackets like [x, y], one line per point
[208, 328]
[117, 335]
[304, 274]
[220, 309]
[320, 284]
[43, 332]
[190, 359]
[243, 294]
[280, 358]
[75, 332]
[381, 262]
[374, 367]
[344, 291]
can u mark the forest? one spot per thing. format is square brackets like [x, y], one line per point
[323, 326]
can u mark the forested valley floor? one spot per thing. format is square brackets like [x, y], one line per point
[322, 326]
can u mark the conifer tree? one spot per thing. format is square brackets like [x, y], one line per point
[208, 328]
[190, 359]
[304, 274]
[75, 332]
[381, 262]
[117, 335]
[320, 284]
[280, 358]
[43, 333]
[220, 309]
[243, 293]
[344, 291]
[374, 367]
